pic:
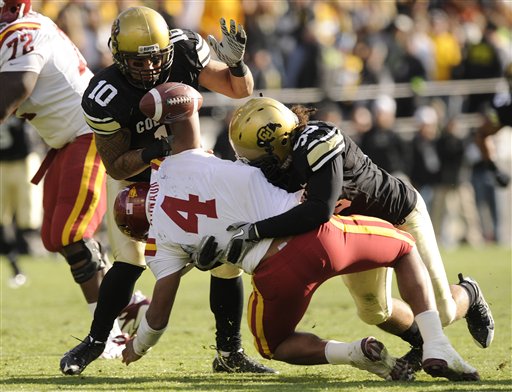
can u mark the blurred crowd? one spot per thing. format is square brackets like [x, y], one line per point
[347, 43]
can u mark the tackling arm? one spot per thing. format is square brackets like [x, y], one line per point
[121, 162]
[16, 87]
[217, 77]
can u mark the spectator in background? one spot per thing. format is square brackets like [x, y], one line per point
[20, 201]
[481, 60]
[81, 21]
[425, 161]
[447, 51]
[453, 203]
[405, 67]
[381, 143]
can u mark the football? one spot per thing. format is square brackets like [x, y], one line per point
[171, 102]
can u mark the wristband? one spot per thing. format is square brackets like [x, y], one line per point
[146, 337]
[239, 70]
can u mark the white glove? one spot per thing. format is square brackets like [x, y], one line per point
[232, 47]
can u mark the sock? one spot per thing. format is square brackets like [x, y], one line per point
[115, 293]
[92, 307]
[412, 335]
[226, 303]
[338, 353]
[430, 326]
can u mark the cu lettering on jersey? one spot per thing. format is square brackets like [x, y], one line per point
[265, 135]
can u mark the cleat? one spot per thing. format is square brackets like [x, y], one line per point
[131, 316]
[17, 280]
[441, 360]
[239, 362]
[372, 356]
[478, 317]
[76, 360]
[414, 358]
[115, 346]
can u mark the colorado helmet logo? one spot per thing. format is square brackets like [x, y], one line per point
[265, 135]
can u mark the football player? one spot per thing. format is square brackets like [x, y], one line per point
[43, 77]
[146, 53]
[285, 271]
[292, 150]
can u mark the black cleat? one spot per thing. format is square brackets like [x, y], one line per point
[414, 358]
[76, 360]
[239, 362]
[479, 315]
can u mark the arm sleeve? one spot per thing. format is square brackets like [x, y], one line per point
[323, 190]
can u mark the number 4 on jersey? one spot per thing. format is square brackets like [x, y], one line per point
[191, 207]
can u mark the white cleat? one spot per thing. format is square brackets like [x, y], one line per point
[372, 356]
[115, 346]
[441, 360]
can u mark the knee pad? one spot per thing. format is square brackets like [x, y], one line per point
[226, 271]
[87, 252]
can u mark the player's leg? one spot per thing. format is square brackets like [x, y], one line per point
[74, 205]
[226, 303]
[453, 301]
[439, 358]
[371, 292]
[370, 243]
[283, 287]
[114, 294]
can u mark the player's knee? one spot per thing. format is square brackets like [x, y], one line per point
[226, 271]
[373, 315]
[49, 245]
[85, 259]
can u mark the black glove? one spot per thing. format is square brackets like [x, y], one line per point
[207, 257]
[158, 149]
[502, 178]
[242, 241]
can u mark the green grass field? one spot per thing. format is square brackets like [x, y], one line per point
[38, 321]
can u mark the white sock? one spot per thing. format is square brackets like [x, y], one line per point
[430, 326]
[338, 353]
[92, 307]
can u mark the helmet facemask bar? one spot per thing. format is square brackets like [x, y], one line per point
[145, 78]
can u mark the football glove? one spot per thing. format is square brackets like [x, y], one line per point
[232, 47]
[158, 149]
[242, 241]
[207, 257]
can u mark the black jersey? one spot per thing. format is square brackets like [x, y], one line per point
[372, 190]
[502, 104]
[110, 102]
[324, 151]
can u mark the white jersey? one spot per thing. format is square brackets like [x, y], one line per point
[200, 194]
[34, 43]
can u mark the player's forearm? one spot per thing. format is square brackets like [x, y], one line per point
[242, 86]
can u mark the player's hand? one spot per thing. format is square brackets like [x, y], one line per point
[232, 47]
[245, 237]
[158, 149]
[129, 355]
[207, 257]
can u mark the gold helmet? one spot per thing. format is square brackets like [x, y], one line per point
[141, 33]
[262, 128]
